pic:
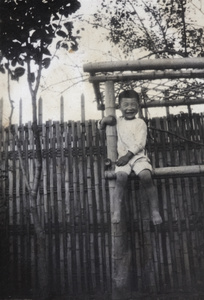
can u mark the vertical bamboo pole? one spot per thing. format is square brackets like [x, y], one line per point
[110, 130]
[1, 150]
[120, 255]
[62, 109]
[1, 111]
[59, 205]
[82, 108]
[89, 203]
[69, 201]
[106, 212]
[20, 112]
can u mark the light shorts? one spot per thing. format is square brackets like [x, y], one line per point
[137, 166]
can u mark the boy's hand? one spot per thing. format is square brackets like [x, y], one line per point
[109, 120]
[123, 160]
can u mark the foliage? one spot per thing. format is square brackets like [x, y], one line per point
[154, 29]
[28, 28]
[163, 28]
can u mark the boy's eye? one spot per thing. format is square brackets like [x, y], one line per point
[131, 104]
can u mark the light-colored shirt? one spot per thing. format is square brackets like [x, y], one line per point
[132, 136]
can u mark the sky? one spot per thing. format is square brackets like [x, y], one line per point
[57, 81]
[65, 75]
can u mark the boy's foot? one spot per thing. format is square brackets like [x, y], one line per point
[156, 218]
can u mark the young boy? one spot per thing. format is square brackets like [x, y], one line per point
[132, 134]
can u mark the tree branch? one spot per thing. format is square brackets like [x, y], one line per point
[176, 135]
[12, 130]
[158, 23]
[184, 28]
[141, 22]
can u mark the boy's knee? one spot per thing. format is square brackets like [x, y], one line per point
[146, 177]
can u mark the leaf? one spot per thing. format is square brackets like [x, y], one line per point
[69, 27]
[46, 62]
[14, 77]
[2, 70]
[37, 35]
[58, 44]
[20, 61]
[46, 51]
[65, 46]
[13, 62]
[18, 72]
[56, 25]
[74, 46]
[61, 33]
[56, 17]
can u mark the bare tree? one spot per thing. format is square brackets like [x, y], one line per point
[157, 29]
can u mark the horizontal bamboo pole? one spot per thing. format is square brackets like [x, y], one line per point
[168, 74]
[165, 103]
[147, 64]
[168, 171]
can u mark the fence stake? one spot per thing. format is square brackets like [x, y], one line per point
[62, 109]
[1, 151]
[1, 111]
[20, 112]
[82, 108]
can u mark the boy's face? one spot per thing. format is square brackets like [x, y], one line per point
[129, 108]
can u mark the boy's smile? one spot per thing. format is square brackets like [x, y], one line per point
[129, 108]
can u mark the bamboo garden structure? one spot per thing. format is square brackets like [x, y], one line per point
[89, 256]
[136, 70]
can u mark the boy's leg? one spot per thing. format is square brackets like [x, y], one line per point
[151, 192]
[118, 195]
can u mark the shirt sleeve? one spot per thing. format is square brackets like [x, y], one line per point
[140, 137]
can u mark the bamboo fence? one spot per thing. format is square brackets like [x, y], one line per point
[74, 207]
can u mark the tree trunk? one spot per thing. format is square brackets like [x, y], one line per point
[42, 291]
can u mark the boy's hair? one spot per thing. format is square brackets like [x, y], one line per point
[128, 94]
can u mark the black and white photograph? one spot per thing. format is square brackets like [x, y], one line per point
[101, 150]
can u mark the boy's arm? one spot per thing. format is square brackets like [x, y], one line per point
[109, 120]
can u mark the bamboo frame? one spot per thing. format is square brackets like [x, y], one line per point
[163, 69]
[148, 64]
[78, 237]
[167, 103]
[168, 171]
[119, 242]
[167, 74]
